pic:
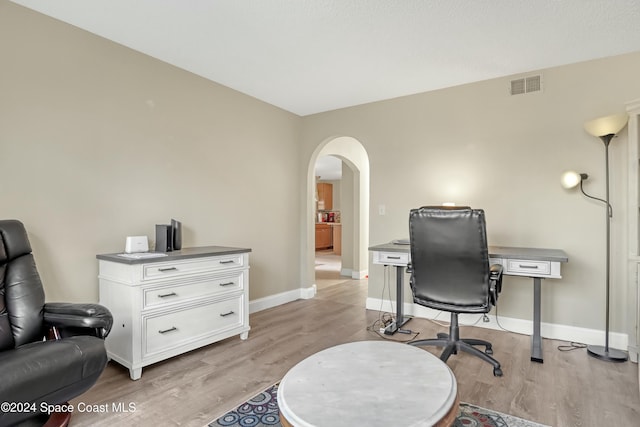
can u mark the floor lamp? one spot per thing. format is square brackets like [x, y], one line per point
[604, 128]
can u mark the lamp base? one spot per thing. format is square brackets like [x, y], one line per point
[608, 355]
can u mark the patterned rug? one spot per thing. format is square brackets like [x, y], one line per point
[262, 411]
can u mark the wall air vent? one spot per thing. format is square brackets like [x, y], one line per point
[526, 85]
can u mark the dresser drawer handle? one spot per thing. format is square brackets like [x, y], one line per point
[167, 269]
[226, 314]
[533, 267]
[227, 284]
[172, 294]
[393, 257]
[171, 329]
[229, 261]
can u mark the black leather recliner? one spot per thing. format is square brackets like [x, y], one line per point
[49, 352]
[450, 271]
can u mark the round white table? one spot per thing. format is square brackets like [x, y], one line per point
[369, 383]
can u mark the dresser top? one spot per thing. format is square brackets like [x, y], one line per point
[184, 253]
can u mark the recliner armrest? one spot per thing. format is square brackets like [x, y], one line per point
[79, 316]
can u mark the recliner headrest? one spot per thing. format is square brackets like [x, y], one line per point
[14, 238]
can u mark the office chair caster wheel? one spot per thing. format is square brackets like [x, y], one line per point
[489, 350]
[497, 372]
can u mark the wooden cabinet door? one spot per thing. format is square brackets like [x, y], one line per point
[325, 194]
[323, 236]
[337, 239]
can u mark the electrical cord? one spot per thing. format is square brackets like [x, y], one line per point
[502, 327]
[572, 346]
[385, 318]
[377, 325]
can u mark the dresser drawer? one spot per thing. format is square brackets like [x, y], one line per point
[160, 296]
[175, 268]
[174, 329]
[524, 267]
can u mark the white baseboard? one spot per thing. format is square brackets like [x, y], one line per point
[281, 298]
[547, 330]
[358, 275]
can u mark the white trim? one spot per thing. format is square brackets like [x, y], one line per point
[547, 330]
[358, 275]
[281, 298]
[346, 272]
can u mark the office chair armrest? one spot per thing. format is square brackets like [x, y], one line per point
[495, 282]
[78, 317]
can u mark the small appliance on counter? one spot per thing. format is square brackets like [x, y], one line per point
[328, 217]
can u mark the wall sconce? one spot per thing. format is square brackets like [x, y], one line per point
[605, 128]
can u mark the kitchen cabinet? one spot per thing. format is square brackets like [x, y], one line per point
[166, 306]
[337, 238]
[325, 196]
[324, 236]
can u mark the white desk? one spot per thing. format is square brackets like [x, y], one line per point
[529, 262]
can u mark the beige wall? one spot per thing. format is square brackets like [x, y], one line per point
[477, 145]
[98, 142]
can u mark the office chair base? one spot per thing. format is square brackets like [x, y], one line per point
[452, 343]
[607, 354]
[471, 341]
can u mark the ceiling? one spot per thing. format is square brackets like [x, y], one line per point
[328, 168]
[310, 56]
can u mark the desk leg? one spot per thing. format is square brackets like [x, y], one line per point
[400, 319]
[536, 339]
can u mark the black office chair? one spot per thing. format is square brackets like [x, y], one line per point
[49, 352]
[450, 271]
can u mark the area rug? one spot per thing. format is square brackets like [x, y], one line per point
[262, 411]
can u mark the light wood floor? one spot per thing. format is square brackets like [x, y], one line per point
[569, 389]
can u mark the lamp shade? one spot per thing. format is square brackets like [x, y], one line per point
[570, 179]
[609, 125]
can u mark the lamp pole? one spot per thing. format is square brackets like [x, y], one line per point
[598, 351]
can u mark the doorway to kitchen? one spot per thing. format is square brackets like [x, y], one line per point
[327, 267]
[328, 228]
[338, 207]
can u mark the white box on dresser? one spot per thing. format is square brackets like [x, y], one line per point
[166, 306]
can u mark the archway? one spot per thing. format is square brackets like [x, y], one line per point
[355, 225]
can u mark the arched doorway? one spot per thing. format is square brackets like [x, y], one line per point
[354, 209]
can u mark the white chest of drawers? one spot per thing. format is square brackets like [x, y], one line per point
[166, 306]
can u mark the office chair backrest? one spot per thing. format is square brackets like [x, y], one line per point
[449, 258]
[21, 292]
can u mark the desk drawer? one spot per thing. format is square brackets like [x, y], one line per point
[524, 267]
[391, 258]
